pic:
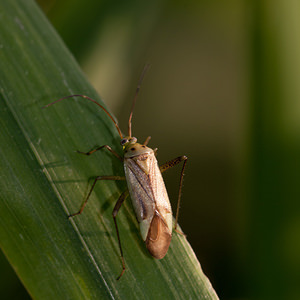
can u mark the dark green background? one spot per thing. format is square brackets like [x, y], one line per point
[222, 89]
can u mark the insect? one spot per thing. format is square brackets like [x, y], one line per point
[145, 186]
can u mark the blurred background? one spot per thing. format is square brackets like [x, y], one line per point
[223, 89]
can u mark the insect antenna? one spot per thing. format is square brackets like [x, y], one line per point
[90, 99]
[135, 96]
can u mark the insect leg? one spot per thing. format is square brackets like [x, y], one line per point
[94, 183]
[114, 213]
[105, 147]
[169, 165]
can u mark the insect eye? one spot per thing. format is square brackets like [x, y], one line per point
[124, 141]
[133, 140]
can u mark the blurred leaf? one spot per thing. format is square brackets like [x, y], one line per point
[43, 180]
[274, 159]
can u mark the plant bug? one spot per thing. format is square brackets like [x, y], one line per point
[145, 186]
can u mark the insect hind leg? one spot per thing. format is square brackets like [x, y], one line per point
[167, 166]
[118, 205]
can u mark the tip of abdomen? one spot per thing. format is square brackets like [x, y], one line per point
[159, 237]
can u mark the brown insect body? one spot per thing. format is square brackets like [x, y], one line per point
[145, 185]
[149, 197]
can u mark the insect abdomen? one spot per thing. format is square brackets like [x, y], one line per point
[159, 237]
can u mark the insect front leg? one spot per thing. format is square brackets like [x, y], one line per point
[93, 185]
[119, 203]
[105, 147]
[169, 165]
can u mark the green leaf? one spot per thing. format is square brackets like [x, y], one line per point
[43, 180]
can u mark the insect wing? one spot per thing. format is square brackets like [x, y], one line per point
[150, 201]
